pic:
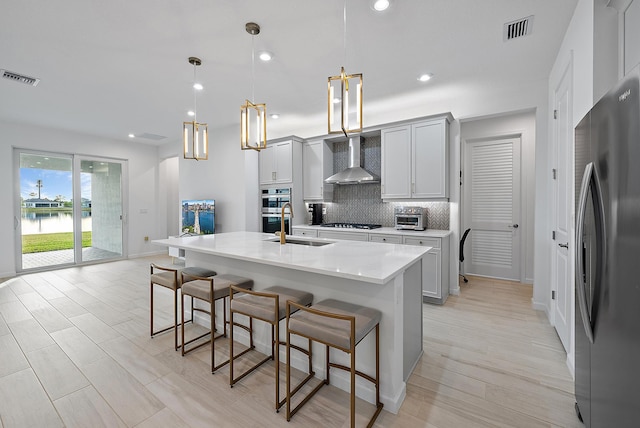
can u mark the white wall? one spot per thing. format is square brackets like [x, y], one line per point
[523, 124]
[139, 196]
[230, 176]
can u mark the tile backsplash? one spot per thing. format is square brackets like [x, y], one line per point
[361, 203]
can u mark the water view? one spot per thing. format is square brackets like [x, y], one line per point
[45, 221]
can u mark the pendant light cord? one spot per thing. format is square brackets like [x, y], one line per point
[195, 93]
[253, 65]
[344, 32]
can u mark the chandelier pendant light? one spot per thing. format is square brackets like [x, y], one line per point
[344, 97]
[253, 116]
[195, 136]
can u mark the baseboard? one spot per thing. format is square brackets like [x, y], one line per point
[8, 274]
[454, 291]
[538, 306]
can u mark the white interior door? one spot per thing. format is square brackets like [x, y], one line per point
[561, 212]
[492, 198]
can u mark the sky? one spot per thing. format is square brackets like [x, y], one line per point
[54, 183]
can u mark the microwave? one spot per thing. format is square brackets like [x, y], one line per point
[410, 218]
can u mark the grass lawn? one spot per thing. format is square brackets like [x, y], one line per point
[42, 242]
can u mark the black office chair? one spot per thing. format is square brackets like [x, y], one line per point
[464, 238]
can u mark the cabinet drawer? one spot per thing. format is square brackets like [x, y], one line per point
[389, 239]
[349, 236]
[305, 232]
[425, 242]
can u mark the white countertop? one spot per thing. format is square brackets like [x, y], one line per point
[362, 261]
[429, 233]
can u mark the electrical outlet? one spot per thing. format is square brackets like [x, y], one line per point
[324, 211]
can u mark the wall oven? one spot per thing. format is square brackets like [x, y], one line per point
[272, 201]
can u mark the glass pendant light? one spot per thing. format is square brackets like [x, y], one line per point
[344, 96]
[253, 117]
[195, 136]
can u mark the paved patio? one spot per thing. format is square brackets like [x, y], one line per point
[60, 257]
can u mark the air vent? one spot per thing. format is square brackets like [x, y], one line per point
[153, 137]
[516, 29]
[21, 78]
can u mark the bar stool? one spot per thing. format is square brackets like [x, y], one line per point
[338, 325]
[209, 290]
[172, 279]
[269, 306]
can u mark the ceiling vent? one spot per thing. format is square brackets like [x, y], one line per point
[153, 137]
[516, 29]
[21, 78]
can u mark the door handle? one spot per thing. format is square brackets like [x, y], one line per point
[564, 245]
[514, 226]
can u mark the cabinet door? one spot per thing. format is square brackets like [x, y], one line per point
[431, 284]
[283, 159]
[396, 162]
[312, 170]
[430, 160]
[267, 172]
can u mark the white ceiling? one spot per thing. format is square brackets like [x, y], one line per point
[110, 68]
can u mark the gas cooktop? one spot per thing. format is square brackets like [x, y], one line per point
[352, 225]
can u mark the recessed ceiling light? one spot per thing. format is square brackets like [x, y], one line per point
[380, 5]
[425, 77]
[131, 135]
[198, 86]
[275, 116]
[191, 113]
[265, 56]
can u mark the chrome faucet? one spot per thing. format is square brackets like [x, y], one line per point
[283, 232]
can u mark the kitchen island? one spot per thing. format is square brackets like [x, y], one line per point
[382, 276]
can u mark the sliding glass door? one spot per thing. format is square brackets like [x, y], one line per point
[69, 209]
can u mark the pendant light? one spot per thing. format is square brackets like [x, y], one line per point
[253, 117]
[344, 97]
[195, 135]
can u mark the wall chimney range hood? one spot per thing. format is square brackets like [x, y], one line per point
[355, 173]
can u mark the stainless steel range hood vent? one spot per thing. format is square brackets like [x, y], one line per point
[355, 173]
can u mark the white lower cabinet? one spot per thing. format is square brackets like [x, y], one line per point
[388, 239]
[305, 232]
[349, 236]
[435, 268]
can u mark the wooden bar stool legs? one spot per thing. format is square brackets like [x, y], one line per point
[268, 306]
[337, 325]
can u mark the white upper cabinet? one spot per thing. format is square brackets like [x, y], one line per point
[415, 160]
[276, 163]
[317, 164]
[396, 162]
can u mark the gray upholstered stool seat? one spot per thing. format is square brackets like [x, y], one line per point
[172, 279]
[339, 325]
[268, 305]
[209, 290]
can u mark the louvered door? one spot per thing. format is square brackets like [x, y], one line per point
[492, 194]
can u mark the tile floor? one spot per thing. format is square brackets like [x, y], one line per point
[75, 351]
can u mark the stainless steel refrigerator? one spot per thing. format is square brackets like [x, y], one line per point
[607, 315]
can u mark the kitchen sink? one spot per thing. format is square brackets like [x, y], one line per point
[299, 241]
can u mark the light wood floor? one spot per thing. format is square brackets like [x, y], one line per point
[75, 351]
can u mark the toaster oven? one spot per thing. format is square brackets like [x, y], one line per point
[410, 218]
